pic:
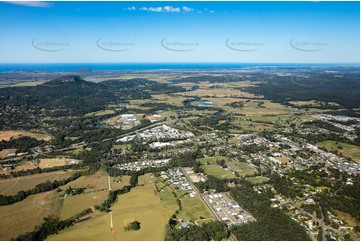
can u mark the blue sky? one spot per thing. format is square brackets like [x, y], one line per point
[234, 32]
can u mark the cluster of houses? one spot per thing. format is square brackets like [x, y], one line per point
[129, 121]
[227, 209]
[139, 165]
[176, 177]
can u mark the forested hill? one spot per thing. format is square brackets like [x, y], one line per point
[77, 96]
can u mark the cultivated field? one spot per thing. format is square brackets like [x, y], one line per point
[53, 162]
[217, 171]
[6, 135]
[23, 216]
[13, 185]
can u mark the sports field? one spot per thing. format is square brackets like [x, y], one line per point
[217, 171]
[257, 179]
[242, 168]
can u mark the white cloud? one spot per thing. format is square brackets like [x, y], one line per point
[131, 8]
[187, 9]
[37, 4]
[165, 9]
[171, 9]
[156, 9]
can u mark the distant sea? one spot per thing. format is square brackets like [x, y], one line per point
[144, 66]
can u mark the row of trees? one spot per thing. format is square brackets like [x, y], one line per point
[206, 232]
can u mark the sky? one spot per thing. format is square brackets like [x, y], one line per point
[174, 32]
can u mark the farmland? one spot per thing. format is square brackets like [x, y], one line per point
[14, 185]
[23, 216]
[6, 135]
[53, 162]
[141, 204]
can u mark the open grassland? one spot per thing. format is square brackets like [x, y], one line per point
[28, 84]
[53, 162]
[4, 153]
[23, 216]
[6, 135]
[283, 159]
[348, 150]
[75, 204]
[252, 126]
[200, 222]
[255, 107]
[257, 179]
[21, 167]
[193, 208]
[169, 99]
[99, 113]
[95, 228]
[217, 171]
[223, 101]
[347, 218]
[242, 168]
[141, 204]
[166, 196]
[13, 185]
[217, 92]
[119, 182]
[211, 160]
[97, 181]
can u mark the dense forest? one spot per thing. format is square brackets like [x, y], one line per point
[343, 90]
[271, 223]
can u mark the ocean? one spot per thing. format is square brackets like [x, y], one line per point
[143, 66]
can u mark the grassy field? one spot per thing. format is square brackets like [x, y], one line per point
[22, 217]
[141, 204]
[6, 135]
[53, 162]
[257, 179]
[166, 196]
[267, 108]
[203, 221]
[119, 182]
[14, 185]
[348, 150]
[211, 160]
[242, 168]
[173, 100]
[99, 113]
[193, 209]
[217, 171]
